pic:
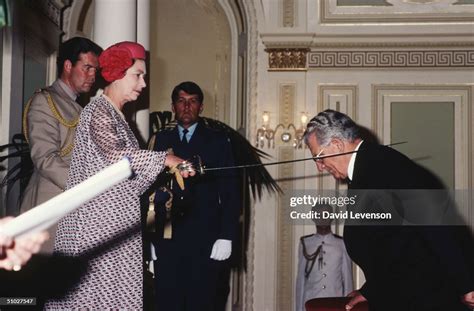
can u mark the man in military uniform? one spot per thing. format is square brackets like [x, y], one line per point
[50, 120]
[195, 241]
[324, 267]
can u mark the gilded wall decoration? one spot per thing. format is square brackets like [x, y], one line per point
[287, 59]
[391, 59]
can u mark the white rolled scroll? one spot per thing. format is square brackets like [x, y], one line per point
[50, 212]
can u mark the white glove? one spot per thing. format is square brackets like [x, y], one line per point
[221, 249]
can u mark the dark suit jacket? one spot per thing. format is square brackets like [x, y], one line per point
[208, 208]
[406, 267]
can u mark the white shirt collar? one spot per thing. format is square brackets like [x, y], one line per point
[350, 169]
[190, 133]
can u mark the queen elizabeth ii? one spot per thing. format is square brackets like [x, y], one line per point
[106, 231]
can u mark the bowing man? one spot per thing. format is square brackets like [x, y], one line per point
[411, 268]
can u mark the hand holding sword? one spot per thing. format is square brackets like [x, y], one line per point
[179, 167]
[195, 164]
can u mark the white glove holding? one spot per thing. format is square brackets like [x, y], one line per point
[221, 249]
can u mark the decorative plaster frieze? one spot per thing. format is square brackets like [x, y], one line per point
[287, 59]
[391, 59]
[288, 14]
[287, 102]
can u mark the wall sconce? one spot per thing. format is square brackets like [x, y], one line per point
[286, 134]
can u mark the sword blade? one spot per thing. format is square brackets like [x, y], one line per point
[207, 169]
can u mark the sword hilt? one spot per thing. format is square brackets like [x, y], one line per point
[192, 164]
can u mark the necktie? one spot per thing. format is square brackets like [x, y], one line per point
[185, 139]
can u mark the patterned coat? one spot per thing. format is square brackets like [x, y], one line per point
[106, 231]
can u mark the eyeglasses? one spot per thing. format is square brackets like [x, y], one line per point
[320, 154]
[190, 101]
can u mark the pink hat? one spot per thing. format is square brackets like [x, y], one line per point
[116, 59]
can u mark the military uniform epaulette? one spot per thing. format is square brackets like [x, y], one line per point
[306, 236]
[41, 90]
[69, 124]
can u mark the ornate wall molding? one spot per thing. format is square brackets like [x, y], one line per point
[250, 15]
[335, 42]
[400, 11]
[285, 232]
[394, 45]
[288, 13]
[340, 97]
[461, 95]
[287, 102]
[391, 59]
[76, 19]
[287, 59]
[275, 41]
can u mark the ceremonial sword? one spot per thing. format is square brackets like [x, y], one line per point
[202, 169]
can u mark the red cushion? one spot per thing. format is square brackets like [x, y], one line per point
[333, 304]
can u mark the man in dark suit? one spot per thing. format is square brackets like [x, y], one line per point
[422, 267]
[194, 246]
